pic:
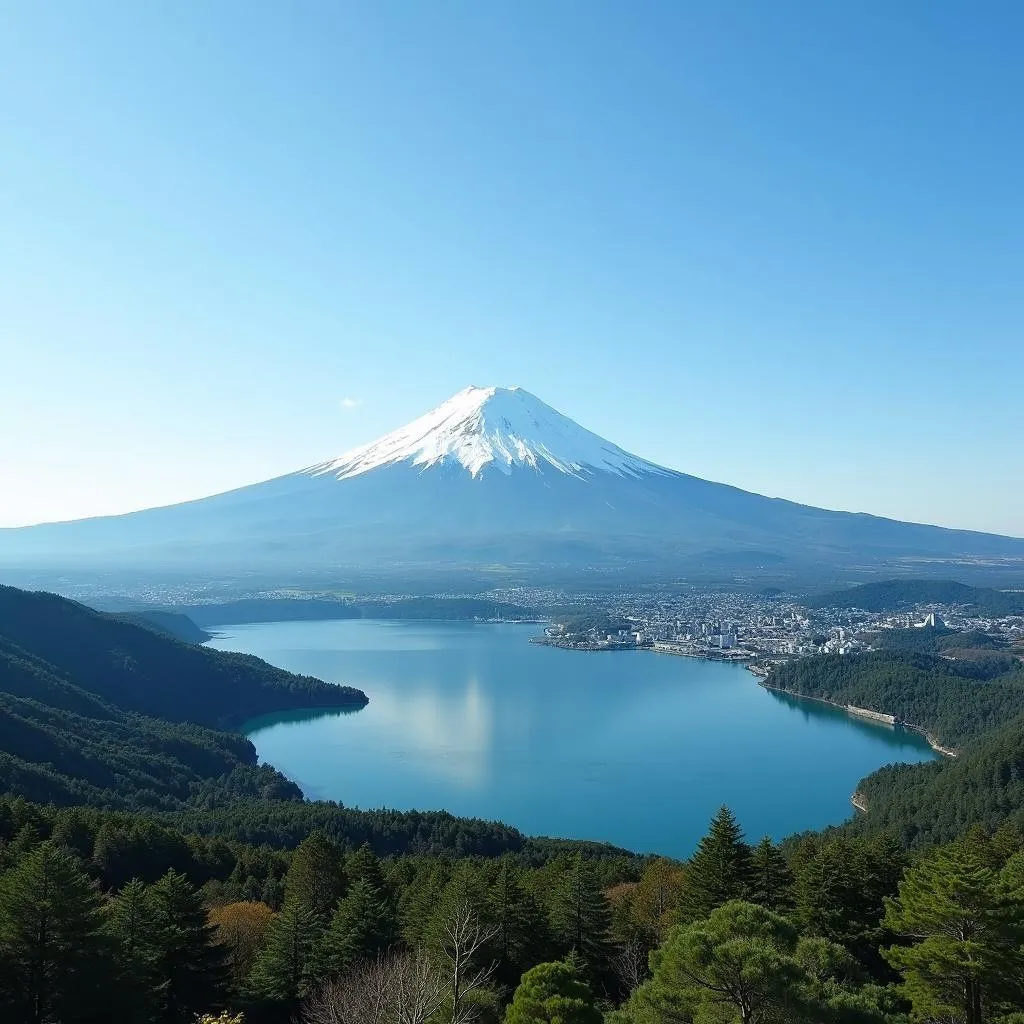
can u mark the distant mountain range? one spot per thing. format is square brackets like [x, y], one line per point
[492, 480]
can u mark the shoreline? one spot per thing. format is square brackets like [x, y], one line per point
[920, 730]
[598, 647]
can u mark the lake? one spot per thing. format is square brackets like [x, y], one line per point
[632, 748]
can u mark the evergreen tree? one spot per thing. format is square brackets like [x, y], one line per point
[771, 881]
[359, 929]
[522, 928]
[581, 919]
[841, 886]
[272, 892]
[54, 960]
[1011, 878]
[316, 877]
[418, 904]
[283, 970]
[829, 990]
[719, 871]
[968, 948]
[133, 923]
[739, 964]
[26, 839]
[364, 864]
[552, 993]
[190, 962]
[1006, 841]
[71, 829]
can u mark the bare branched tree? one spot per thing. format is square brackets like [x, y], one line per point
[463, 941]
[397, 988]
[630, 963]
[419, 990]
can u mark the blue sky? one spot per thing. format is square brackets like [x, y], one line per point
[779, 245]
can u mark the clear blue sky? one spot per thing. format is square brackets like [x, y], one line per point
[775, 244]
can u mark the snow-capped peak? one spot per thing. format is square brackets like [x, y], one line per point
[483, 427]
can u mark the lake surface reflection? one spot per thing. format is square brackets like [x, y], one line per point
[632, 748]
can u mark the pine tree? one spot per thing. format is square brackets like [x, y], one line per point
[272, 892]
[190, 962]
[522, 928]
[581, 920]
[134, 925]
[738, 964]
[840, 889]
[719, 871]
[316, 877]
[359, 929]
[418, 904]
[364, 864]
[969, 941]
[54, 958]
[771, 882]
[71, 829]
[283, 970]
[552, 993]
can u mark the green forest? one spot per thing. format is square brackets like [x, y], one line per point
[897, 595]
[152, 871]
[974, 706]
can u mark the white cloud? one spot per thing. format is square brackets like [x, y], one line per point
[349, 403]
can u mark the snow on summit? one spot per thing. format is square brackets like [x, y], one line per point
[483, 427]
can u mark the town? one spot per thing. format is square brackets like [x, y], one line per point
[762, 629]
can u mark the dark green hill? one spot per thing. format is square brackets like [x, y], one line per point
[975, 706]
[931, 803]
[897, 595]
[100, 711]
[954, 701]
[139, 670]
[175, 624]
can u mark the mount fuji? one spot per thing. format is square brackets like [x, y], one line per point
[492, 478]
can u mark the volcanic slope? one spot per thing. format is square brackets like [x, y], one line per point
[493, 476]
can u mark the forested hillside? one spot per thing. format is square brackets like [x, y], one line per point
[953, 701]
[175, 624]
[976, 707]
[139, 670]
[929, 803]
[99, 711]
[151, 871]
[897, 595]
[114, 916]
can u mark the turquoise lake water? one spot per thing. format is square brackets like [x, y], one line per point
[632, 748]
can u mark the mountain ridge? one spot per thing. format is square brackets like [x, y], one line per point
[492, 480]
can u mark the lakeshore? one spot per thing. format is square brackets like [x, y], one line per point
[473, 719]
[679, 649]
[880, 717]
